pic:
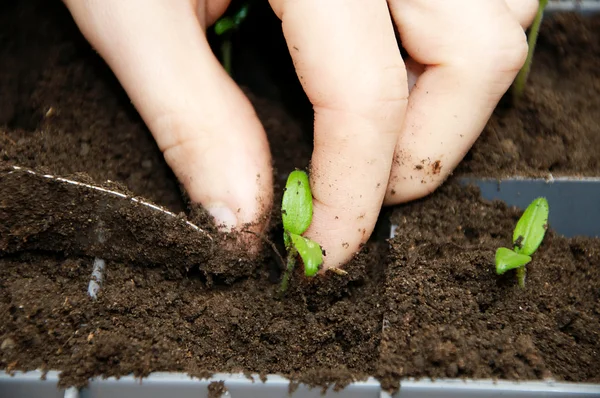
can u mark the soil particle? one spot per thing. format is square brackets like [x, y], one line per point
[7, 344]
[217, 389]
[436, 167]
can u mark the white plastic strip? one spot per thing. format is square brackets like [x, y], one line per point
[161, 384]
[96, 279]
[71, 392]
[114, 193]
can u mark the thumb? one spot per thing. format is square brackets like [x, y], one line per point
[205, 126]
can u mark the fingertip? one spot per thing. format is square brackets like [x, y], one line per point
[206, 127]
[223, 216]
[417, 187]
[339, 232]
[226, 168]
[523, 10]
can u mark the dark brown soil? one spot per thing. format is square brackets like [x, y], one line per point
[173, 300]
[556, 127]
[144, 321]
[449, 315]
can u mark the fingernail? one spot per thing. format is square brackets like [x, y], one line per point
[224, 217]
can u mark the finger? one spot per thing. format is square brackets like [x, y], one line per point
[523, 10]
[205, 126]
[473, 51]
[350, 66]
[209, 11]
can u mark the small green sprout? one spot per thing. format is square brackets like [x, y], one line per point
[296, 213]
[225, 27]
[232, 23]
[519, 84]
[527, 237]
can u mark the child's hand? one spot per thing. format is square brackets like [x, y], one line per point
[374, 143]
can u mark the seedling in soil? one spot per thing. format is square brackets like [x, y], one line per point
[519, 84]
[225, 27]
[527, 237]
[296, 213]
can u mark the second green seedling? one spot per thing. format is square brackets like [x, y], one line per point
[225, 27]
[527, 237]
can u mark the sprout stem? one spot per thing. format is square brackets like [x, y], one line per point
[291, 263]
[226, 54]
[521, 80]
[521, 276]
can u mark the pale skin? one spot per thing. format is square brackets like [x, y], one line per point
[385, 132]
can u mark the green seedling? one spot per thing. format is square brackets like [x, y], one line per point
[527, 237]
[296, 213]
[521, 80]
[225, 27]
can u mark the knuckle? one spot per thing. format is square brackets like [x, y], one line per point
[530, 8]
[511, 55]
[381, 95]
[523, 10]
[499, 55]
[174, 133]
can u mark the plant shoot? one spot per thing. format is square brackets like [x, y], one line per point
[527, 237]
[521, 80]
[225, 27]
[296, 213]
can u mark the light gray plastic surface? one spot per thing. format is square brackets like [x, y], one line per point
[174, 385]
[573, 5]
[574, 203]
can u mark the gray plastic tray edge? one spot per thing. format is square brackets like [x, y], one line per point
[574, 202]
[30, 384]
[583, 6]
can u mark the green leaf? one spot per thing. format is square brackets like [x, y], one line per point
[297, 206]
[224, 25]
[311, 253]
[531, 228]
[507, 259]
[227, 24]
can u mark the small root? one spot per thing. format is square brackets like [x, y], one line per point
[7, 138]
[271, 244]
[338, 271]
